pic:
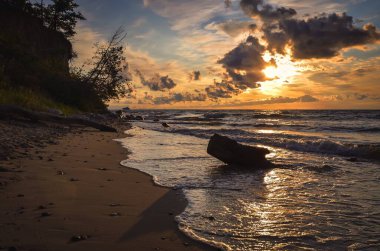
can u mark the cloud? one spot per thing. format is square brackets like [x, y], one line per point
[195, 75]
[157, 82]
[325, 36]
[267, 12]
[233, 28]
[179, 97]
[322, 36]
[244, 64]
[284, 100]
[222, 89]
[279, 100]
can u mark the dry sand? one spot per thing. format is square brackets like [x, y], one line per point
[78, 187]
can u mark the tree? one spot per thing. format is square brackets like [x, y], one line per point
[109, 74]
[61, 16]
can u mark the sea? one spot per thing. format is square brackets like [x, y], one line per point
[323, 194]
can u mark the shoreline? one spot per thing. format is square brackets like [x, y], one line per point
[78, 188]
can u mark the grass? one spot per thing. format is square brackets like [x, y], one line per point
[32, 100]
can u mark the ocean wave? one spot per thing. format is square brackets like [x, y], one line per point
[292, 142]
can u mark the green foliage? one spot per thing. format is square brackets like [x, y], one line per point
[61, 16]
[32, 100]
[109, 76]
[37, 78]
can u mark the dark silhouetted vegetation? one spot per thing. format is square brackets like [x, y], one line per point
[35, 55]
[60, 15]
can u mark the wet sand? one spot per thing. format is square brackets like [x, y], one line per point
[75, 195]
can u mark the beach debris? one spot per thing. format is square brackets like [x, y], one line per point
[165, 124]
[233, 153]
[60, 172]
[115, 205]
[3, 170]
[102, 169]
[74, 179]
[79, 237]
[352, 159]
[210, 218]
[115, 214]
[45, 214]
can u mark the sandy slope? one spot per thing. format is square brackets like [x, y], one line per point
[118, 208]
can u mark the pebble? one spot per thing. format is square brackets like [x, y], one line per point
[60, 172]
[115, 205]
[74, 179]
[45, 214]
[114, 214]
[77, 238]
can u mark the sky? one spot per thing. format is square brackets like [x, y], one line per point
[242, 54]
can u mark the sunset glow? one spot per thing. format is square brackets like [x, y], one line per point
[186, 60]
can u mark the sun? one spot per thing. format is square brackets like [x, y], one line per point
[271, 72]
[278, 74]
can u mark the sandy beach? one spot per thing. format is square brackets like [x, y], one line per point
[75, 195]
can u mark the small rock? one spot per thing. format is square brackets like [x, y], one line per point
[165, 124]
[186, 244]
[40, 157]
[41, 207]
[20, 195]
[60, 172]
[352, 159]
[50, 160]
[77, 238]
[115, 205]
[114, 214]
[45, 214]
[12, 249]
[74, 179]
[163, 238]
[212, 218]
[102, 169]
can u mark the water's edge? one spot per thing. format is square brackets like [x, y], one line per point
[180, 193]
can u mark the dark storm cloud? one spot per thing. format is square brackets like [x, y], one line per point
[222, 89]
[325, 35]
[157, 82]
[234, 28]
[285, 100]
[244, 64]
[195, 75]
[276, 100]
[322, 36]
[276, 38]
[267, 12]
[179, 97]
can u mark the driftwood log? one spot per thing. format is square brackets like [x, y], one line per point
[233, 153]
[15, 112]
